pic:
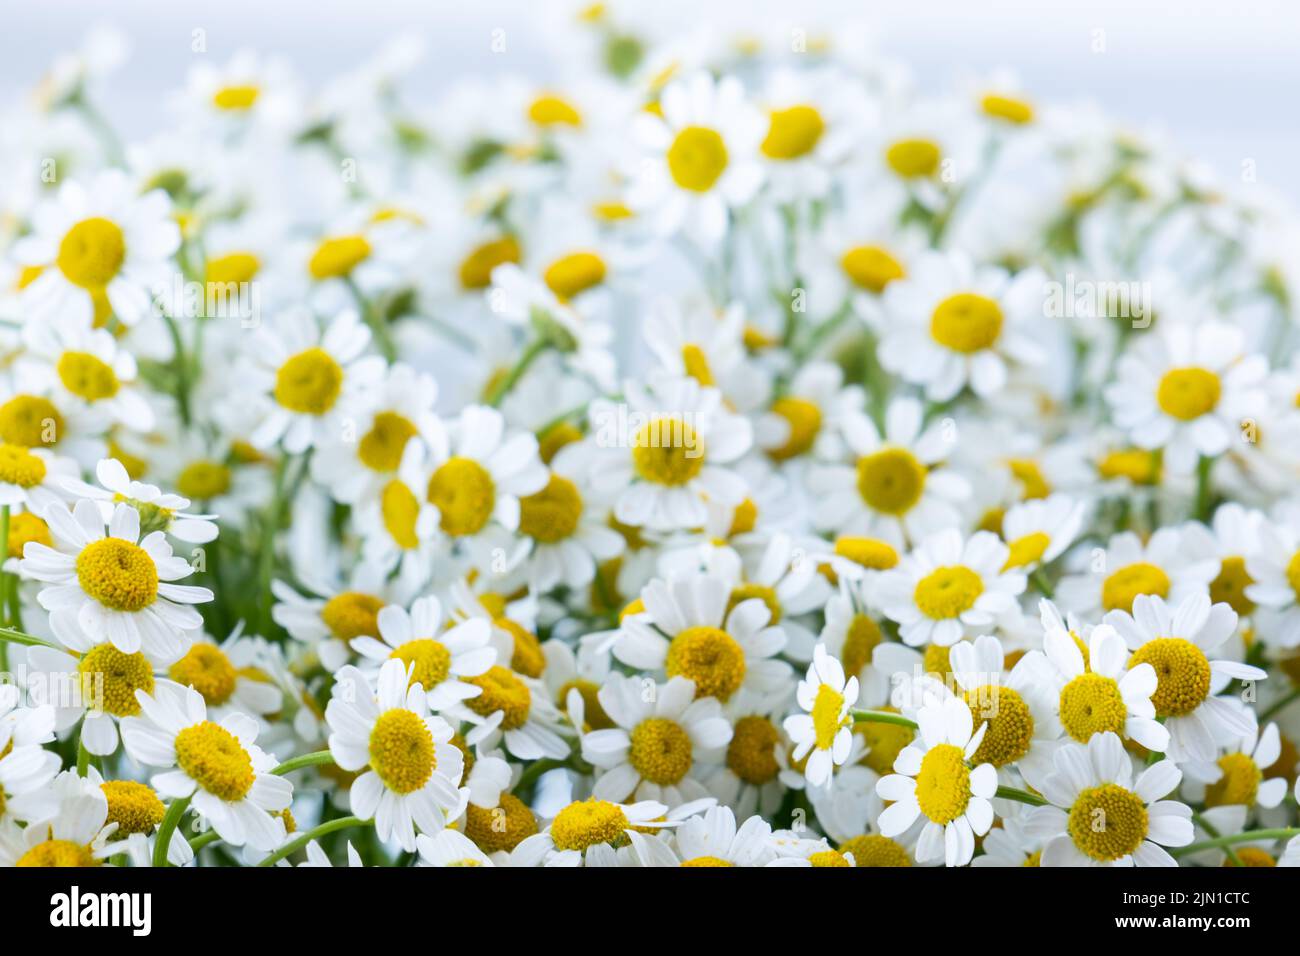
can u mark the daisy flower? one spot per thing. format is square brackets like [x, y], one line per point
[219, 767]
[699, 157]
[230, 676]
[1100, 816]
[1038, 531]
[1235, 540]
[661, 738]
[33, 478]
[711, 839]
[811, 128]
[26, 766]
[1176, 640]
[411, 768]
[327, 624]
[515, 708]
[101, 249]
[1275, 574]
[398, 524]
[896, 489]
[590, 833]
[933, 779]
[948, 586]
[74, 831]
[449, 848]
[1238, 776]
[851, 635]
[244, 92]
[824, 732]
[115, 587]
[809, 416]
[158, 511]
[1168, 565]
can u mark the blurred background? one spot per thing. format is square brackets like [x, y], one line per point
[1220, 79]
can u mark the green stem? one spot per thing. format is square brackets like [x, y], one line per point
[203, 839]
[1011, 793]
[373, 318]
[1278, 704]
[1040, 581]
[83, 755]
[14, 636]
[1203, 488]
[306, 760]
[165, 830]
[882, 717]
[1281, 833]
[298, 843]
[1213, 831]
[180, 370]
[512, 377]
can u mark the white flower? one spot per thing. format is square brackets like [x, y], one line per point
[1039, 530]
[1170, 564]
[585, 832]
[1275, 572]
[1237, 777]
[824, 732]
[158, 511]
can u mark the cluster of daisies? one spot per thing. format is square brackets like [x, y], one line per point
[722, 453]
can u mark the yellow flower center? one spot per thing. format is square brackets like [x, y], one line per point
[697, 158]
[551, 514]
[1252, 856]
[966, 322]
[1138, 466]
[1182, 674]
[464, 494]
[501, 690]
[914, 158]
[1027, 549]
[751, 754]
[118, 574]
[30, 420]
[747, 592]
[935, 660]
[805, 421]
[868, 552]
[707, 861]
[552, 110]
[574, 274]
[1108, 822]
[134, 807]
[526, 656]
[1010, 724]
[884, 742]
[586, 823]
[27, 527]
[20, 467]
[948, 592]
[943, 784]
[233, 268]
[208, 670]
[337, 256]
[1008, 108]
[1092, 704]
[380, 449]
[871, 268]
[710, 657]
[1032, 481]
[309, 383]
[744, 519]
[58, 853]
[111, 678]
[872, 850]
[401, 750]
[202, 480]
[431, 658]
[696, 364]
[476, 268]
[860, 642]
[1239, 783]
[400, 510]
[236, 99]
[1293, 574]
[554, 438]
[827, 708]
[92, 252]
[352, 614]
[87, 376]
[500, 828]
[660, 751]
[1230, 586]
[891, 480]
[667, 451]
[593, 713]
[1188, 393]
[828, 858]
[793, 132]
[214, 759]
[1120, 588]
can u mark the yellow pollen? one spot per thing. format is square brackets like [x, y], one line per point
[554, 438]
[118, 574]
[352, 614]
[828, 858]
[873, 850]
[500, 828]
[746, 592]
[431, 658]
[805, 421]
[588, 822]
[464, 494]
[1032, 481]
[827, 708]
[914, 158]
[1230, 586]
[110, 679]
[1252, 856]
[574, 274]
[948, 592]
[593, 713]
[1008, 108]
[30, 420]
[20, 467]
[869, 552]
[935, 660]
[61, 853]
[1092, 704]
[380, 449]
[871, 268]
[660, 751]
[27, 527]
[1108, 822]
[1239, 783]
[751, 755]
[92, 252]
[526, 656]
[744, 518]
[400, 510]
[697, 158]
[1027, 549]
[214, 759]
[860, 642]
[402, 751]
[337, 256]
[707, 861]
[884, 742]
[793, 132]
[203, 480]
[966, 322]
[696, 364]
[309, 383]
[208, 670]
[1188, 393]
[236, 99]
[502, 691]
[1119, 590]
[87, 376]
[891, 480]
[1010, 724]
[1182, 674]
[1138, 466]
[710, 657]
[1293, 574]
[476, 268]
[943, 784]
[134, 807]
[667, 451]
[233, 268]
[552, 110]
[551, 514]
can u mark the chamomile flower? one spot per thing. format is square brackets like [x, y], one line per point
[114, 587]
[33, 478]
[74, 830]
[809, 416]
[811, 128]
[412, 770]
[218, 766]
[1167, 565]
[449, 848]
[713, 839]
[824, 733]
[1275, 573]
[1039, 531]
[516, 709]
[590, 833]
[158, 511]
[1238, 776]
[1095, 783]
